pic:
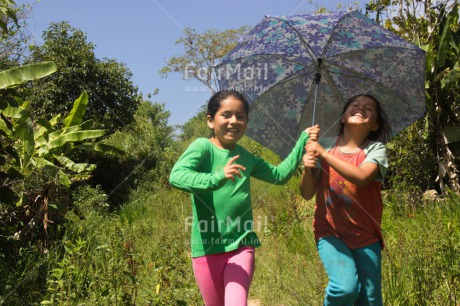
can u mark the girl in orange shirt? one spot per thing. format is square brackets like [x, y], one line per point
[348, 213]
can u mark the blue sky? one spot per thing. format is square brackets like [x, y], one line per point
[142, 34]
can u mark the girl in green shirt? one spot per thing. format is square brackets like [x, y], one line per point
[216, 171]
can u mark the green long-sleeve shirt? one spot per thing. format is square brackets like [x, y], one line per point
[222, 210]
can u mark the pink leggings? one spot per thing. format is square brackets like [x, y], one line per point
[224, 278]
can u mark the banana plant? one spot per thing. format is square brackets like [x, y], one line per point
[443, 79]
[12, 109]
[17, 76]
[47, 147]
[41, 146]
[434, 26]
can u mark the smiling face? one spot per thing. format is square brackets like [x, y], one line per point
[229, 123]
[362, 112]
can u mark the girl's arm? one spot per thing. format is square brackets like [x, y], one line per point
[360, 176]
[283, 172]
[185, 175]
[308, 182]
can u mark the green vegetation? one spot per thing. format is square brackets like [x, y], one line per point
[81, 223]
[113, 97]
[140, 255]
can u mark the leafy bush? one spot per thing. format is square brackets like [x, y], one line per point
[149, 154]
[113, 97]
[411, 161]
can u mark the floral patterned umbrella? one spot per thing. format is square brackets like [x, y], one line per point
[286, 64]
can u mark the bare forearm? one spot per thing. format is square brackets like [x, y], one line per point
[308, 183]
[360, 176]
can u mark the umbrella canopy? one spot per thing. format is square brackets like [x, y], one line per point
[290, 65]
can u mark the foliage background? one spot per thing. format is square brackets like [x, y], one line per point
[118, 234]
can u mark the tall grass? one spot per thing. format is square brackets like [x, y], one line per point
[140, 255]
[135, 257]
[422, 260]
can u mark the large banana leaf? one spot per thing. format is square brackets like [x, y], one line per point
[64, 179]
[44, 163]
[83, 126]
[27, 139]
[45, 138]
[4, 127]
[15, 112]
[79, 168]
[102, 148]
[45, 126]
[69, 137]
[78, 111]
[16, 76]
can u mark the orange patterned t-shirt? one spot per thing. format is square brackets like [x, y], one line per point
[345, 210]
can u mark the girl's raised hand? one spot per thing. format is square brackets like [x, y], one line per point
[315, 149]
[313, 132]
[231, 169]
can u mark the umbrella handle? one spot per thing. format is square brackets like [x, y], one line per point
[317, 80]
[314, 105]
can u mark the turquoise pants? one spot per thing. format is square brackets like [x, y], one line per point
[354, 275]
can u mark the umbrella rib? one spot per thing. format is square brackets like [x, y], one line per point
[353, 77]
[330, 36]
[289, 60]
[359, 63]
[304, 43]
[351, 53]
[348, 54]
[291, 77]
[280, 56]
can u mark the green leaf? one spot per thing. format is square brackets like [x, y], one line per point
[16, 76]
[53, 135]
[451, 77]
[452, 133]
[55, 120]
[69, 137]
[78, 111]
[4, 127]
[15, 112]
[27, 139]
[46, 126]
[4, 27]
[79, 168]
[44, 164]
[442, 48]
[446, 37]
[102, 148]
[64, 179]
[45, 123]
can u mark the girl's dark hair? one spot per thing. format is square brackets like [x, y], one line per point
[383, 132]
[218, 97]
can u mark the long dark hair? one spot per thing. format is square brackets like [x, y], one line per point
[383, 132]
